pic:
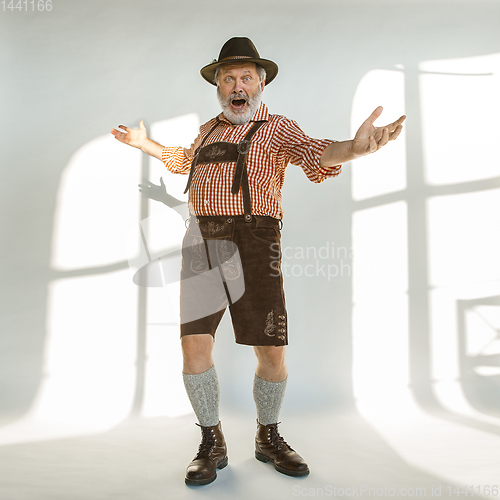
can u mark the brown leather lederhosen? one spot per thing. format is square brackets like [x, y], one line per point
[228, 152]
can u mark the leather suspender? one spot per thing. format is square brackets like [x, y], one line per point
[196, 155]
[243, 148]
[240, 174]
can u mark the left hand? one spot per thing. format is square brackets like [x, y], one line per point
[369, 138]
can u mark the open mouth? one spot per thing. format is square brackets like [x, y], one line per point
[238, 104]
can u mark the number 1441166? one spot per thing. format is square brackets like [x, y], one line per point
[27, 5]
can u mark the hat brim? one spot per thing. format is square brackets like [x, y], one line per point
[208, 71]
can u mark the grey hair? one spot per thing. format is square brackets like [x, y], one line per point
[260, 71]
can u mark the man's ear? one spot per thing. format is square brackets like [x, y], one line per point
[262, 85]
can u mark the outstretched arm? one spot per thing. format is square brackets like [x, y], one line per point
[138, 139]
[368, 139]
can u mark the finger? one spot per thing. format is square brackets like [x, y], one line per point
[376, 113]
[161, 182]
[141, 125]
[118, 135]
[380, 134]
[396, 133]
[392, 126]
[373, 144]
[123, 127]
[385, 138]
[398, 122]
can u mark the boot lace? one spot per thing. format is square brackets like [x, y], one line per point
[277, 440]
[208, 442]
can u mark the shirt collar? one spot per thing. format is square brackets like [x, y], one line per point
[262, 114]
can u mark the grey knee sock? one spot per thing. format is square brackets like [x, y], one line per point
[203, 392]
[268, 397]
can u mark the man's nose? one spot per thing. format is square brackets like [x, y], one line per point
[238, 87]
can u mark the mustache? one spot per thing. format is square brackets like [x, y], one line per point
[238, 95]
[252, 103]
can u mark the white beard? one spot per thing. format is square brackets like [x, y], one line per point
[253, 104]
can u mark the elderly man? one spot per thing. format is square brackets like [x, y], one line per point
[236, 170]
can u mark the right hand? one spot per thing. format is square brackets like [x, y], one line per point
[131, 136]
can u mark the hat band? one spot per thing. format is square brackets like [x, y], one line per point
[236, 57]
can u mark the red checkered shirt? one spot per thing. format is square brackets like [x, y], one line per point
[278, 142]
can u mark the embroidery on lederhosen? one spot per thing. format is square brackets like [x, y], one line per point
[199, 262]
[226, 254]
[215, 152]
[270, 326]
[214, 228]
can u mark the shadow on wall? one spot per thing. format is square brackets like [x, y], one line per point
[424, 243]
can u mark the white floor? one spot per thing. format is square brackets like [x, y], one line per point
[409, 453]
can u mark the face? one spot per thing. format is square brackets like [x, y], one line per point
[239, 91]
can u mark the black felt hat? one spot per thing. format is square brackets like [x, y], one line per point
[239, 49]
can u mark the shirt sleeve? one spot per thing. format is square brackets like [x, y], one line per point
[178, 160]
[175, 159]
[305, 152]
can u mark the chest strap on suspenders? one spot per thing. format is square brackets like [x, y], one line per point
[240, 174]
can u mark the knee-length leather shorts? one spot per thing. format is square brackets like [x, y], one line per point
[227, 262]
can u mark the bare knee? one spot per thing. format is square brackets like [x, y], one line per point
[197, 353]
[271, 362]
[270, 355]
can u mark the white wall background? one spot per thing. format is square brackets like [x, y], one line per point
[410, 236]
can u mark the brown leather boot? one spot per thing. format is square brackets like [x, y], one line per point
[212, 455]
[271, 447]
